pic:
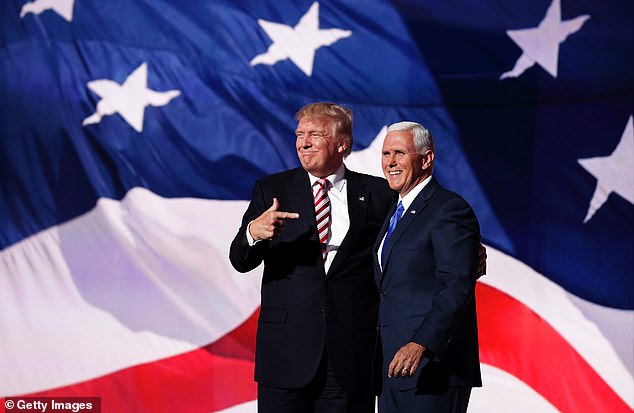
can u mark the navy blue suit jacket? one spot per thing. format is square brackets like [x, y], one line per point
[427, 287]
[304, 309]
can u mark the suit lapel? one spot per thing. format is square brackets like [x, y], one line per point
[358, 201]
[299, 198]
[414, 210]
[375, 251]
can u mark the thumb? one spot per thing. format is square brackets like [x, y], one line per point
[274, 206]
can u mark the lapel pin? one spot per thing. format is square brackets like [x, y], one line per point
[361, 198]
[413, 211]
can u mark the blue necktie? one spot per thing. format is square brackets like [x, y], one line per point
[393, 221]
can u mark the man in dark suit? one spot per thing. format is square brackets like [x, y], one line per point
[426, 260]
[317, 328]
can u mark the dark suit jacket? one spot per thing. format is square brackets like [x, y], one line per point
[303, 308]
[427, 290]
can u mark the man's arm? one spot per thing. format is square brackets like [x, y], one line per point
[262, 224]
[243, 256]
[455, 238]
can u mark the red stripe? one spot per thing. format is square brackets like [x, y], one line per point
[220, 375]
[319, 197]
[515, 339]
[209, 379]
[323, 218]
[321, 208]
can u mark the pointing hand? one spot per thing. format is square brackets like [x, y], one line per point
[269, 225]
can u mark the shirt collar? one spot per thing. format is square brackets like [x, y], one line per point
[336, 178]
[411, 195]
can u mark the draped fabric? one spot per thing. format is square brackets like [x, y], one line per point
[131, 134]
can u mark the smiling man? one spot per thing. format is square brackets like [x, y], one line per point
[426, 268]
[314, 228]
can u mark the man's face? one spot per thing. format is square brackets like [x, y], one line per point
[318, 150]
[402, 166]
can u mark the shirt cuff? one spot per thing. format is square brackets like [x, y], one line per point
[250, 239]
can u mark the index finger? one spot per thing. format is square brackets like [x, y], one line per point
[287, 215]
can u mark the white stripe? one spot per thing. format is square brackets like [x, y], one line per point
[553, 304]
[56, 331]
[504, 393]
[249, 407]
[324, 207]
[322, 214]
[127, 283]
[320, 204]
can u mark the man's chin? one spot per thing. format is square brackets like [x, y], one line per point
[395, 186]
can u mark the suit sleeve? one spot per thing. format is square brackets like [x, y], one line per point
[455, 236]
[243, 257]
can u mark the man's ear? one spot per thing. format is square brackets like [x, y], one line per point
[428, 159]
[343, 145]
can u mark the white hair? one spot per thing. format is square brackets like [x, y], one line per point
[423, 141]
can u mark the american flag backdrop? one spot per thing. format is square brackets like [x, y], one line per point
[131, 133]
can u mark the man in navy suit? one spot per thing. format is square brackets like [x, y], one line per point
[317, 328]
[426, 259]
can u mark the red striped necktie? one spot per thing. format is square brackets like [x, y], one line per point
[322, 212]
